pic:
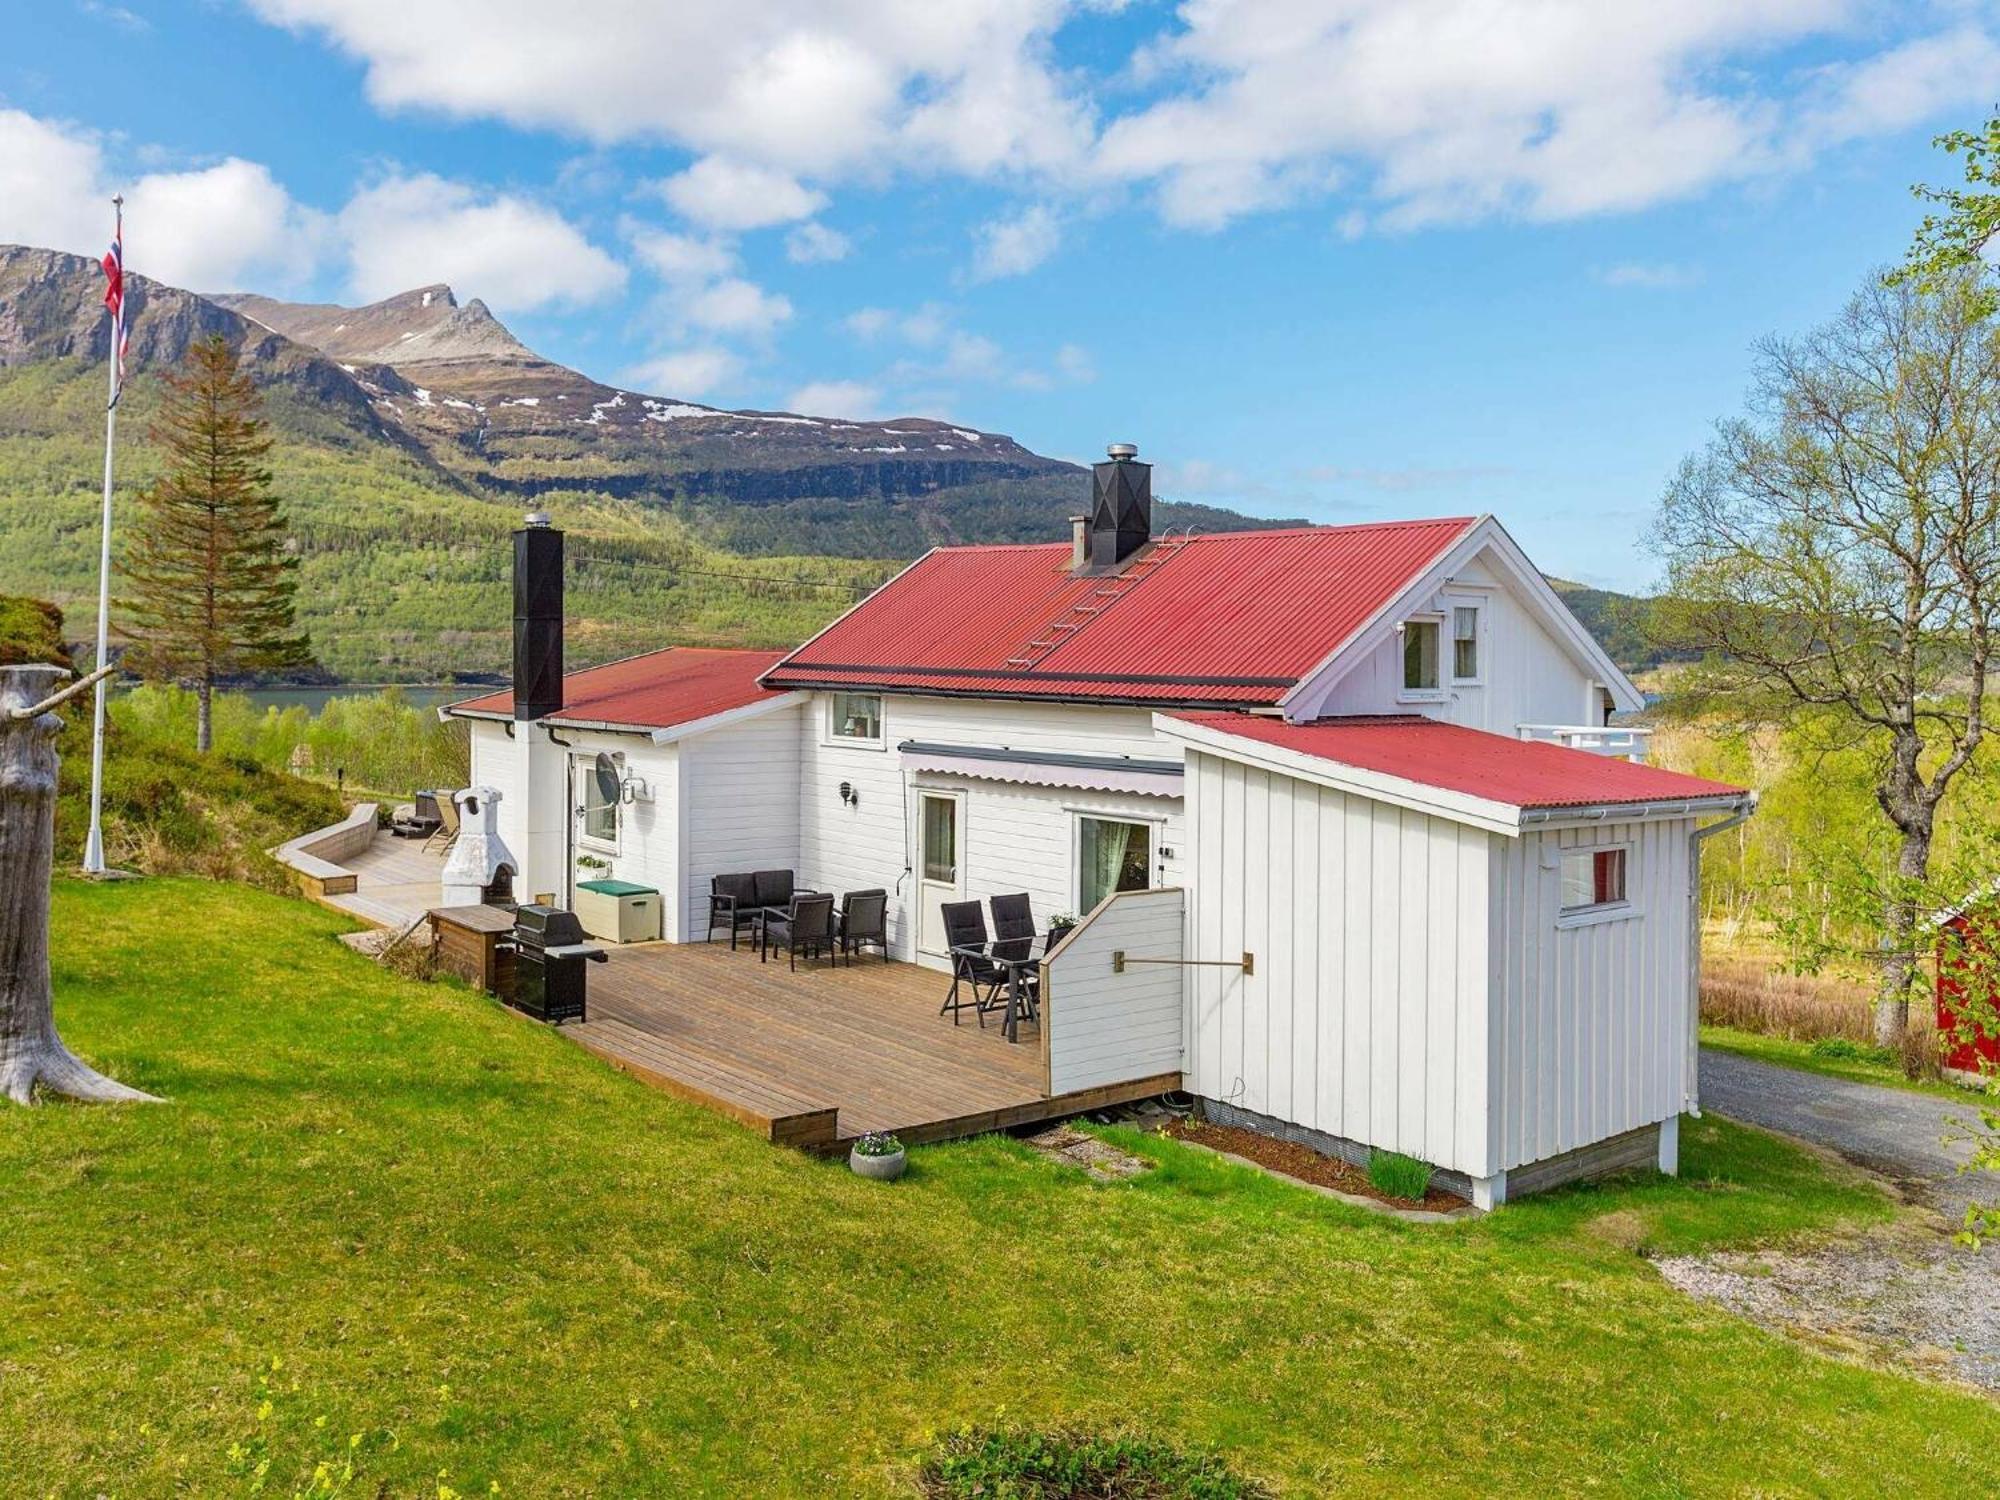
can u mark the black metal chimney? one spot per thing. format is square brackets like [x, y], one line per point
[538, 618]
[1121, 506]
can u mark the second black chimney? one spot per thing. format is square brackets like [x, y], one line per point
[1121, 506]
[538, 619]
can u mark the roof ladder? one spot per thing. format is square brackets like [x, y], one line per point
[1109, 591]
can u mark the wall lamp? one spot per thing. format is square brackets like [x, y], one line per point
[848, 795]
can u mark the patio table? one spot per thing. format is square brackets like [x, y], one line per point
[1017, 956]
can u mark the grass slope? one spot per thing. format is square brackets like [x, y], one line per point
[423, 1220]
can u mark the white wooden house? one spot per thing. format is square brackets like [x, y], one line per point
[1345, 797]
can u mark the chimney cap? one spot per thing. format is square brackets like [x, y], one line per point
[1120, 452]
[536, 518]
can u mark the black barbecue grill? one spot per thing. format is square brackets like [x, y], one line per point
[549, 955]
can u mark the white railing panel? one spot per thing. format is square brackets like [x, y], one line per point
[1105, 1027]
[1623, 742]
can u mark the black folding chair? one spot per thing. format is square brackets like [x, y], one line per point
[807, 927]
[965, 927]
[1013, 917]
[863, 919]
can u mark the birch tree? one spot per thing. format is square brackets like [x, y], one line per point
[1835, 551]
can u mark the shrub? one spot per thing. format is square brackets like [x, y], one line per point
[1397, 1175]
[1845, 1049]
[1020, 1464]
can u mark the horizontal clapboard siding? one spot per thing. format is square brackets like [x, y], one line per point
[1103, 1027]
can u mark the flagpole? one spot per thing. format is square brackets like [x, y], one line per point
[93, 850]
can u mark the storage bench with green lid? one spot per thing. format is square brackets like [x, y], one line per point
[619, 911]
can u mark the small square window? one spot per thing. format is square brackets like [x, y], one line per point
[1420, 656]
[1592, 878]
[1465, 643]
[855, 716]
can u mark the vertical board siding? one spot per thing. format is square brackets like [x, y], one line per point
[1365, 1017]
[1103, 1027]
[1588, 1021]
[742, 787]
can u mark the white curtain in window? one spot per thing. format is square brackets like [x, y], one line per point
[1105, 845]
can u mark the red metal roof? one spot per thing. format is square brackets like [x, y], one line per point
[1237, 617]
[660, 690]
[1523, 773]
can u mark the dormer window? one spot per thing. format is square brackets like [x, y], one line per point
[1420, 656]
[1465, 643]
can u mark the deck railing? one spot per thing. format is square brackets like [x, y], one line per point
[1103, 1023]
[1621, 741]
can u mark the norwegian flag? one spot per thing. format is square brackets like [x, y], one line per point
[114, 298]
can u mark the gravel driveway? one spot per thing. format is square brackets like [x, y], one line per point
[1906, 1294]
[1895, 1132]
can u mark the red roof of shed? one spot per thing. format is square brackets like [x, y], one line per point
[660, 690]
[1523, 773]
[1236, 617]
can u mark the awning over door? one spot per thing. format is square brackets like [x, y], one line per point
[1095, 773]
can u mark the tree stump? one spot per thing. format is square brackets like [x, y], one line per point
[30, 1051]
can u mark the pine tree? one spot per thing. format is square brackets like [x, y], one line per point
[211, 590]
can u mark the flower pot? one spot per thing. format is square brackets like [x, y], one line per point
[880, 1168]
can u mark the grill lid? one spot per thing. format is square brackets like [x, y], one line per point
[547, 926]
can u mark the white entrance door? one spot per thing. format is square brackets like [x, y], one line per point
[941, 836]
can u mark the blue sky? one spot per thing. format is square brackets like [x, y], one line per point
[1334, 258]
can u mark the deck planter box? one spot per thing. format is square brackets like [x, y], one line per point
[619, 911]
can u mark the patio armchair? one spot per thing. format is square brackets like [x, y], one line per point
[732, 903]
[965, 926]
[863, 919]
[807, 926]
[774, 887]
[446, 834]
[1013, 917]
[1031, 979]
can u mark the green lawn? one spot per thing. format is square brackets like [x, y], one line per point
[420, 1219]
[1790, 1054]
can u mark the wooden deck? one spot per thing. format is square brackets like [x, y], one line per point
[396, 882]
[814, 1058]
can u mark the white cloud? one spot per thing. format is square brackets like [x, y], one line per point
[853, 399]
[1396, 113]
[803, 86]
[680, 257]
[510, 251]
[1015, 246]
[868, 322]
[721, 193]
[212, 228]
[737, 306]
[1074, 364]
[814, 244]
[1650, 274]
[687, 372]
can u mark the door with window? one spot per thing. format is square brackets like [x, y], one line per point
[1111, 856]
[594, 822]
[940, 868]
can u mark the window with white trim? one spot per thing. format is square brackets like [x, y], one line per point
[1465, 643]
[1420, 656]
[601, 796]
[855, 716]
[1592, 880]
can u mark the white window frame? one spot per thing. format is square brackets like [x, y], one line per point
[1620, 910]
[584, 767]
[829, 735]
[1438, 694]
[1450, 643]
[1156, 834]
